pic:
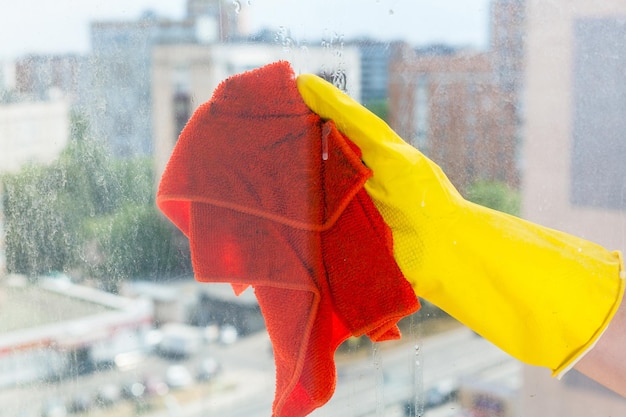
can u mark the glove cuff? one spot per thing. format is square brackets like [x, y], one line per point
[571, 362]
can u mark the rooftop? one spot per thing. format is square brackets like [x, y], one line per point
[28, 306]
[56, 312]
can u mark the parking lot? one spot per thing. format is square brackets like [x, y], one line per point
[142, 383]
[166, 400]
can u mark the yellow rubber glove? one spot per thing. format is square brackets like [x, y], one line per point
[541, 295]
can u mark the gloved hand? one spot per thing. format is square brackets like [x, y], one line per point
[541, 295]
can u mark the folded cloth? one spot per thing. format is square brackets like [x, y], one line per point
[271, 196]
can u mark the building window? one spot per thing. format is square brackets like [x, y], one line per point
[598, 113]
[182, 110]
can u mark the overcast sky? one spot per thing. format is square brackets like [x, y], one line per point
[58, 26]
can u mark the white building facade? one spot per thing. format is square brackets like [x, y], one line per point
[185, 76]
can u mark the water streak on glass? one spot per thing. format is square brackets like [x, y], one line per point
[417, 367]
[379, 379]
[236, 6]
[325, 147]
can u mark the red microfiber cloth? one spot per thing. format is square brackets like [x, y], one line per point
[271, 196]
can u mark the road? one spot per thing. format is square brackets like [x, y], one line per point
[367, 383]
[406, 371]
[365, 387]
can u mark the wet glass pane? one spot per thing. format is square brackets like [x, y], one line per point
[110, 308]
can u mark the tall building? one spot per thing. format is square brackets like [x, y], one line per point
[37, 77]
[7, 77]
[449, 105]
[119, 109]
[507, 33]
[375, 58]
[463, 108]
[574, 147]
[221, 20]
[32, 132]
[185, 76]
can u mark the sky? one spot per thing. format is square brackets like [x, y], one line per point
[62, 26]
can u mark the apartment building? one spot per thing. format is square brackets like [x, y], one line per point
[573, 153]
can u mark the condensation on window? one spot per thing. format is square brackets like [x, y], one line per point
[519, 101]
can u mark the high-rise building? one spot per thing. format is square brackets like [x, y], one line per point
[450, 106]
[185, 76]
[462, 108]
[7, 77]
[507, 44]
[574, 147]
[119, 109]
[375, 58]
[37, 77]
[220, 20]
[120, 106]
[32, 132]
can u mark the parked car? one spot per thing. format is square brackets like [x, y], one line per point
[108, 395]
[54, 408]
[441, 393]
[155, 386]
[228, 334]
[179, 340]
[435, 396]
[178, 376]
[80, 403]
[211, 333]
[208, 369]
[133, 390]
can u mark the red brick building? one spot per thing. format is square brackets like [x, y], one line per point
[36, 76]
[451, 107]
[462, 108]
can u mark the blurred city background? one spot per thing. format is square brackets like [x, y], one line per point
[99, 312]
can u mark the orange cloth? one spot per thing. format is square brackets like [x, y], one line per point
[272, 196]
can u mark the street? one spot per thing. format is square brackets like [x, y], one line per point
[367, 384]
[359, 392]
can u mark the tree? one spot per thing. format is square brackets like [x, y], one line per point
[379, 107]
[495, 195]
[40, 223]
[135, 242]
[91, 213]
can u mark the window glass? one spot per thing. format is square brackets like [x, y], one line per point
[520, 102]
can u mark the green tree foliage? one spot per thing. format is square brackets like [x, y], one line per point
[40, 227]
[495, 195]
[379, 107]
[88, 212]
[135, 242]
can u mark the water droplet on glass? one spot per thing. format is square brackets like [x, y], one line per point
[339, 79]
[379, 376]
[417, 371]
[237, 6]
[325, 147]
